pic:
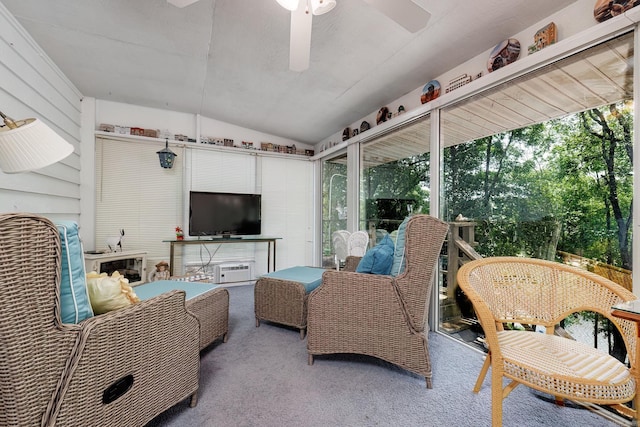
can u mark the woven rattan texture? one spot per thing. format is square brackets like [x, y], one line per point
[539, 292]
[212, 310]
[281, 301]
[376, 315]
[52, 373]
[352, 263]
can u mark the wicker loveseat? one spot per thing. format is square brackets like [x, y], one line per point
[121, 368]
[380, 315]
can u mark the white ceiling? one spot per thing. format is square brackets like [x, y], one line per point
[229, 59]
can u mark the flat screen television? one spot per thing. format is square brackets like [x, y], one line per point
[224, 214]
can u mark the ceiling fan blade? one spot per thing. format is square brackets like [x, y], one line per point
[405, 12]
[181, 3]
[300, 39]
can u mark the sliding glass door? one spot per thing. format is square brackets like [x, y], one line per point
[334, 209]
[541, 166]
[394, 178]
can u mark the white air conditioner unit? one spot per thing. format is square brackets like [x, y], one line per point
[233, 272]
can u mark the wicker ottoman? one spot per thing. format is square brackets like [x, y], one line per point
[207, 302]
[281, 296]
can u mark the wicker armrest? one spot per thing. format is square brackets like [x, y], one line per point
[148, 352]
[351, 263]
[351, 293]
[351, 298]
[355, 281]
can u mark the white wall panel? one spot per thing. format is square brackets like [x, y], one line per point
[287, 210]
[135, 194]
[33, 86]
[220, 171]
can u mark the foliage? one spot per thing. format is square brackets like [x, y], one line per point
[402, 184]
[533, 239]
[575, 172]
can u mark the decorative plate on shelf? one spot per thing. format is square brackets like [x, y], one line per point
[503, 54]
[346, 134]
[606, 9]
[364, 126]
[430, 91]
[382, 115]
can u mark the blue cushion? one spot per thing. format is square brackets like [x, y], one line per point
[74, 296]
[398, 256]
[309, 277]
[192, 289]
[378, 260]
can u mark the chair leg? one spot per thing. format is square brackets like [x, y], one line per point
[636, 406]
[429, 383]
[194, 400]
[257, 322]
[483, 373]
[310, 359]
[496, 398]
[302, 332]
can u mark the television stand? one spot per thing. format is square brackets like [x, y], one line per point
[271, 260]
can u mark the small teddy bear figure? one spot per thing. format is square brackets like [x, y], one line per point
[161, 272]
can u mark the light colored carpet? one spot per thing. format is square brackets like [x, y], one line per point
[260, 377]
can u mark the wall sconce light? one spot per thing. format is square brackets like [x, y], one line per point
[166, 156]
[29, 144]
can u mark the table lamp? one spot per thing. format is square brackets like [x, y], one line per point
[29, 144]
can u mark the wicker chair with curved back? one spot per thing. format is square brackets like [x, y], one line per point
[119, 368]
[378, 315]
[357, 243]
[340, 240]
[507, 290]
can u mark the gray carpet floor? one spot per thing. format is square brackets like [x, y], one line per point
[260, 377]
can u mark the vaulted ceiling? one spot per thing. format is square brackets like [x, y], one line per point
[229, 59]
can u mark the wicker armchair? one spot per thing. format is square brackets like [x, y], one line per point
[537, 292]
[376, 315]
[120, 368]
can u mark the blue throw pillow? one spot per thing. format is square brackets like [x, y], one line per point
[398, 256]
[377, 260]
[74, 297]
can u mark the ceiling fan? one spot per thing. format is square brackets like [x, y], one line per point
[404, 12]
[181, 3]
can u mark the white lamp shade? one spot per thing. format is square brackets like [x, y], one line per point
[33, 145]
[318, 7]
[289, 4]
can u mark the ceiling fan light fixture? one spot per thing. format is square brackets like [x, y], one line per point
[181, 3]
[289, 4]
[319, 7]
